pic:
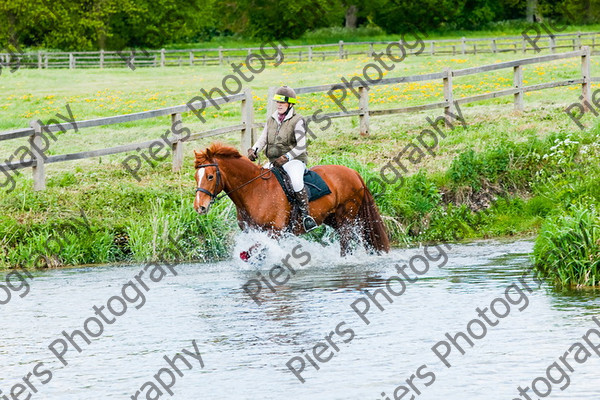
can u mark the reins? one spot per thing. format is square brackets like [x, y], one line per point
[213, 197]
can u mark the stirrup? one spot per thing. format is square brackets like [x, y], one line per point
[309, 223]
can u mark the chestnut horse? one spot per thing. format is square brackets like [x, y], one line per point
[262, 204]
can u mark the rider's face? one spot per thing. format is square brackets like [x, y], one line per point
[282, 107]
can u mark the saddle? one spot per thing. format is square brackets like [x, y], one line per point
[315, 185]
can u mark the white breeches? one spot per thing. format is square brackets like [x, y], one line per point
[295, 169]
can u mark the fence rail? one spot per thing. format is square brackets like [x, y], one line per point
[318, 52]
[248, 126]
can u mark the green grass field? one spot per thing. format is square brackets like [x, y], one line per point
[40, 94]
[515, 156]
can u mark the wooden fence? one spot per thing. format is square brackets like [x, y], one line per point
[248, 126]
[341, 50]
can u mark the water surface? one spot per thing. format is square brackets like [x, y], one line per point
[245, 347]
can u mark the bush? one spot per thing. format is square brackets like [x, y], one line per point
[567, 251]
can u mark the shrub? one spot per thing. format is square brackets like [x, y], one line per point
[567, 251]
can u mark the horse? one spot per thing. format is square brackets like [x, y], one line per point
[262, 204]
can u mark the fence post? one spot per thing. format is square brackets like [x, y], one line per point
[247, 139]
[46, 60]
[39, 57]
[191, 58]
[101, 59]
[494, 47]
[574, 45]
[309, 53]
[71, 61]
[524, 46]
[585, 75]
[39, 169]
[518, 84]
[579, 39]
[341, 50]
[448, 96]
[464, 45]
[177, 146]
[363, 105]
[220, 55]
[551, 43]
[162, 57]
[132, 60]
[371, 50]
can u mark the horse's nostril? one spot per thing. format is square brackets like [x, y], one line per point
[202, 209]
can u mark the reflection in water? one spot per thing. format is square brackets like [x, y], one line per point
[245, 346]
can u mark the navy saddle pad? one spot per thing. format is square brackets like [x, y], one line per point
[315, 185]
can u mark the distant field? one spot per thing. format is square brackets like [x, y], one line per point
[40, 94]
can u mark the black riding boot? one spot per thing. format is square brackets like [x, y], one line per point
[307, 221]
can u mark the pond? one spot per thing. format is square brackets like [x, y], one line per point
[460, 321]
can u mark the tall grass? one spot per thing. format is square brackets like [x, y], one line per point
[172, 228]
[567, 251]
[56, 245]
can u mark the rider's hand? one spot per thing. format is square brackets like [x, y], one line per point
[252, 154]
[278, 162]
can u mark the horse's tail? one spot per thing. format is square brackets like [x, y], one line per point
[374, 232]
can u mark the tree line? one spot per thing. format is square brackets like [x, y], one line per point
[117, 24]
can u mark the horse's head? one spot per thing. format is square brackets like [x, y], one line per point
[209, 184]
[210, 180]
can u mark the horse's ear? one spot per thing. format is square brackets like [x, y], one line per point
[196, 153]
[208, 154]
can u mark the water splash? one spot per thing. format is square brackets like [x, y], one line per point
[263, 251]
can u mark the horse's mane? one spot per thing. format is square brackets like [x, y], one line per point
[215, 150]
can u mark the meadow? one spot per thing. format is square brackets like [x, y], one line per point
[530, 165]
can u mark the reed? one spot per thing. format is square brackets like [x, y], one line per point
[567, 251]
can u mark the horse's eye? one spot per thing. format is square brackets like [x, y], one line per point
[210, 177]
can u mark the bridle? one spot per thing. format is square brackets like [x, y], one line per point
[213, 196]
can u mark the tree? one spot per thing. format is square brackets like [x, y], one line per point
[278, 19]
[531, 10]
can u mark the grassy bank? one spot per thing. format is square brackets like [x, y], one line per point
[503, 174]
[102, 215]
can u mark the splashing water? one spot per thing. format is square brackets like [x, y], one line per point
[257, 250]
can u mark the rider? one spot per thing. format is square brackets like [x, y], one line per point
[284, 137]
